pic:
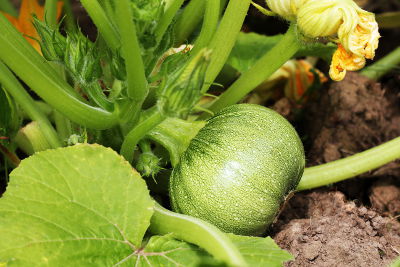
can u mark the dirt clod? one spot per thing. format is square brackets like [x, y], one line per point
[331, 231]
[353, 115]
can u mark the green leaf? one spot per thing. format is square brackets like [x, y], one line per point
[250, 47]
[259, 251]
[167, 251]
[76, 206]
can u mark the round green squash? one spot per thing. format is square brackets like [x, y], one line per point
[238, 169]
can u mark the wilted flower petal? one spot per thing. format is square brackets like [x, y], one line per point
[343, 61]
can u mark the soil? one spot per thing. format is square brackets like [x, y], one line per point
[322, 228]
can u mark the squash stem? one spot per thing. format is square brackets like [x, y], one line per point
[383, 65]
[210, 24]
[198, 232]
[15, 89]
[224, 38]
[103, 23]
[50, 11]
[260, 71]
[137, 87]
[349, 167]
[138, 132]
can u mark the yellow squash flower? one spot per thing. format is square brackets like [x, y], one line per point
[24, 21]
[342, 21]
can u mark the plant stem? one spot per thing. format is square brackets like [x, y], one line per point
[25, 62]
[175, 135]
[170, 10]
[196, 231]
[12, 157]
[103, 24]
[15, 89]
[388, 20]
[210, 23]
[136, 78]
[260, 71]
[7, 6]
[69, 18]
[343, 169]
[382, 66]
[138, 132]
[50, 11]
[188, 20]
[63, 126]
[225, 38]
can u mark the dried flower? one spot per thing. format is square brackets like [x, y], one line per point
[24, 21]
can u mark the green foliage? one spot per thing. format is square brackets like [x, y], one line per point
[85, 205]
[250, 47]
[73, 206]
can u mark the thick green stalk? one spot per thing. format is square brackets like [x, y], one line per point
[210, 24]
[7, 6]
[50, 11]
[69, 15]
[188, 20]
[196, 231]
[103, 24]
[343, 169]
[15, 89]
[136, 77]
[26, 63]
[260, 71]
[170, 10]
[225, 38]
[382, 66]
[138, 132]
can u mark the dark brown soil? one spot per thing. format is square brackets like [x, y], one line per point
[351, 116]
[322, 228]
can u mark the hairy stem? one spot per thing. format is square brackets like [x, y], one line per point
[138, 132]
[210, 23]
[343, 169]
[198, 232]
[170, 10]
[103, 24]
[260, 71]
[382, 66]
[50, 11]
[136, 78]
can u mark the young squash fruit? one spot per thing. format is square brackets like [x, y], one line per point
[238, 169]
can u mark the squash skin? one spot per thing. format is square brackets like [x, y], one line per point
[238, 169]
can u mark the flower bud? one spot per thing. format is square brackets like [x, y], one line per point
[321, 18]
[285, 8]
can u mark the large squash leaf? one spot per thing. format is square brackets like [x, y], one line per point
[75, 206]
